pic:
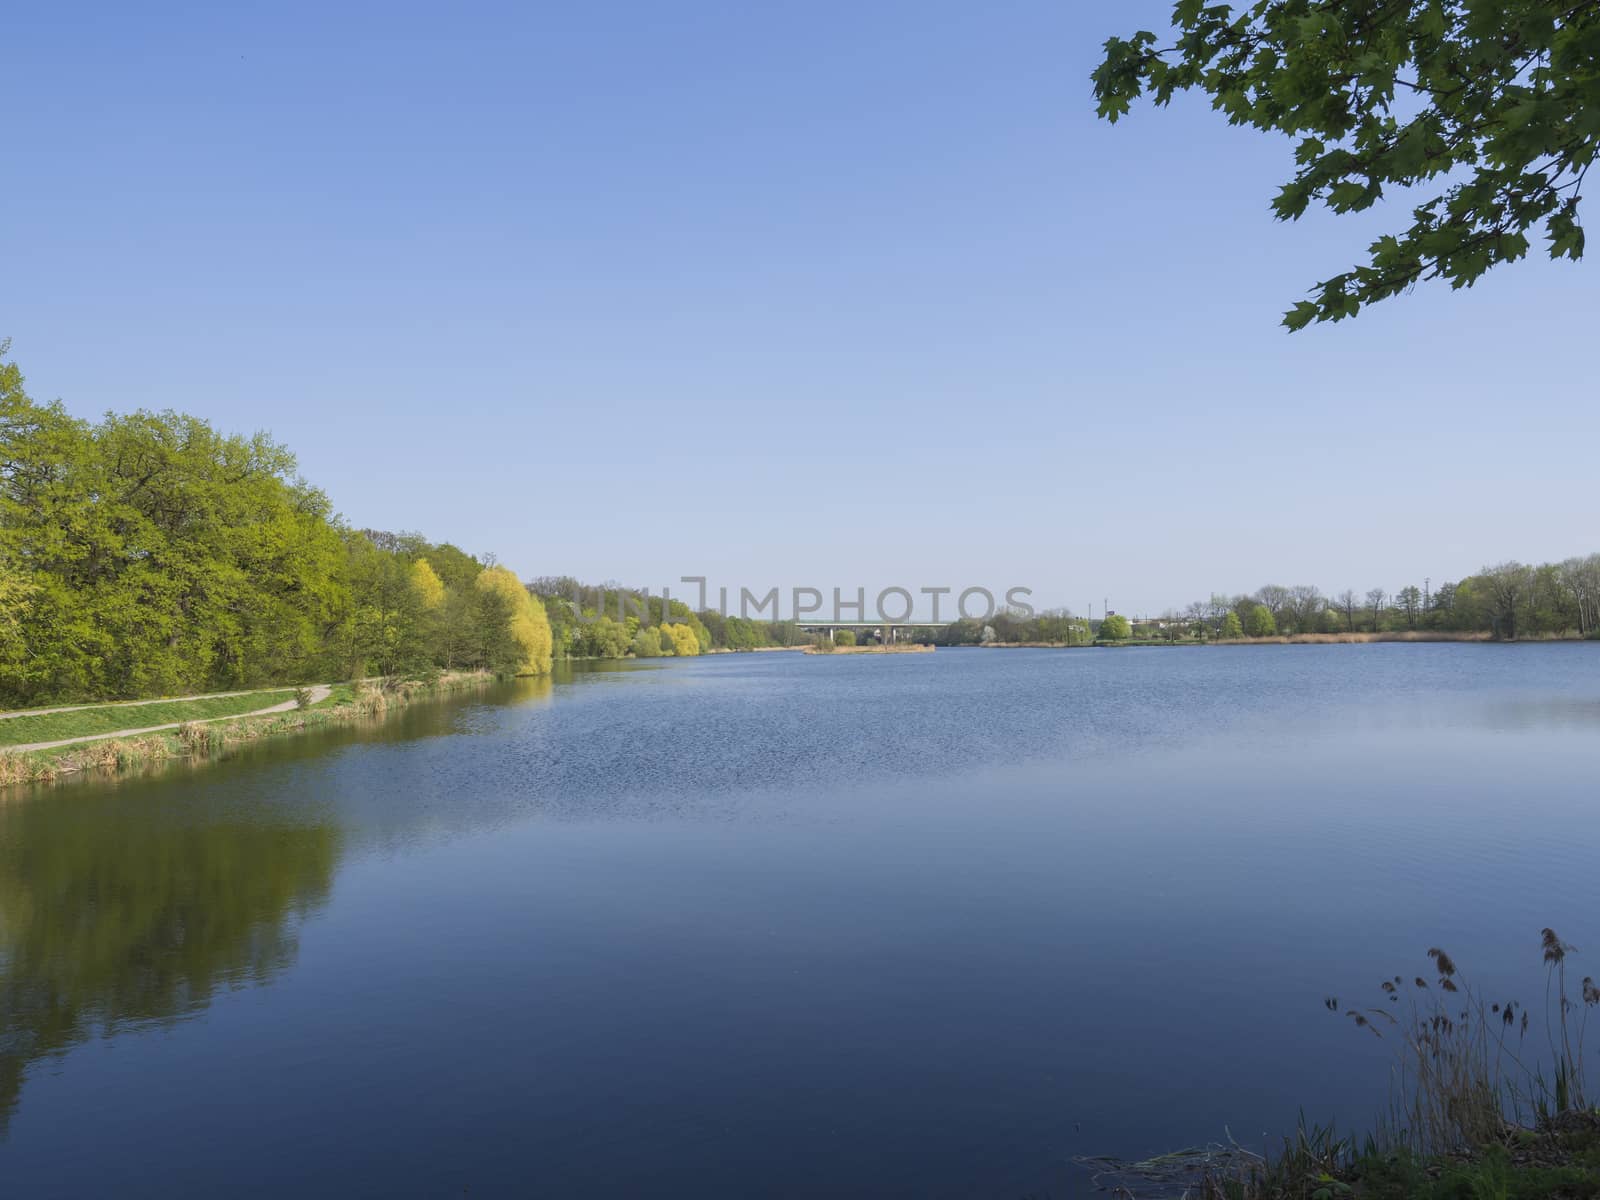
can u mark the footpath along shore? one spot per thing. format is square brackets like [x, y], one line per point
[214, 736]
[316, 694]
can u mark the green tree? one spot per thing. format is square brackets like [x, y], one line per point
[1409, 601]
[1114, 628]
[1507, 590]
[525, 646]
[1491, 103]
[1232, 627]
[383, 625]
[844, 637]
[486, 624]
[16, 594]
[1261, 623]
[162, 555]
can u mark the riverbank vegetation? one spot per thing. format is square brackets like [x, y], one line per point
[203, 738]
[148, 554]
[1489, 1100]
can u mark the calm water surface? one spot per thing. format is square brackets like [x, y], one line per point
[774, 925]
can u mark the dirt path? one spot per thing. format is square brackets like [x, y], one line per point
[39, 712]
[319, 692]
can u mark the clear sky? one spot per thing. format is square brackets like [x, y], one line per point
[833, 294]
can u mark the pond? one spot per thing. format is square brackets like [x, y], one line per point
[783, 925]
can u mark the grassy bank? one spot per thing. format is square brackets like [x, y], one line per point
[108, 718]
[346, 703]
[1488, 1101]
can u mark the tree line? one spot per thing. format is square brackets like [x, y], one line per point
[612, 621]
[149, 554]
[1507, 601]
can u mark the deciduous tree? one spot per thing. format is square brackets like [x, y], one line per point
[1114, 628]
[1261, 623]
[1487, 107]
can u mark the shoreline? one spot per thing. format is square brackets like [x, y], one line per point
[903, 648]
[214, 738]
[1473, 637]
[743, 650]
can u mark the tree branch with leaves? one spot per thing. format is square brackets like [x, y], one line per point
[1495, 103]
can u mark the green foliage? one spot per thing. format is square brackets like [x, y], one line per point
[1509, 600]
[1259, 623]
[149, 554]
[589, 621]
[1114, 628]
[109, 718]
[844, 637]
[1491, 105]
[513, 620]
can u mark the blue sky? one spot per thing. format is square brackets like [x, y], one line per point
[827, 294]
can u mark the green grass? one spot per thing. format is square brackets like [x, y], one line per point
[108, 718]
[340, 693]
[1555, 1166]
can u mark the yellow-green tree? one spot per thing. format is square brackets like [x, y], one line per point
[527, 625]
[426, 583]
[684, 640]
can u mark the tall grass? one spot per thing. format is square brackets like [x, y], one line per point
[1464, 1073]
[1469, 1079]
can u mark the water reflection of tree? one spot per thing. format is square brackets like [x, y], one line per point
[114, 914]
